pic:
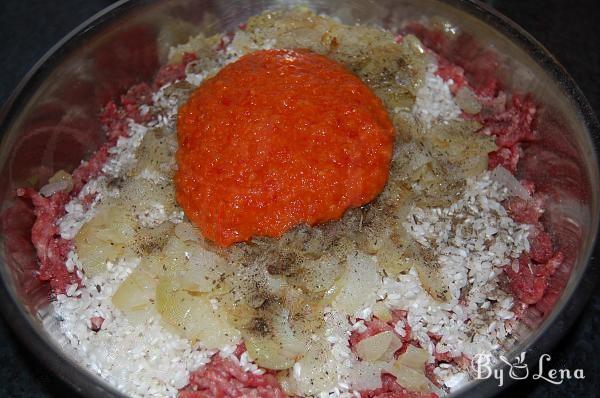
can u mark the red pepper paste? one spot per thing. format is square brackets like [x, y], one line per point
[276, 139]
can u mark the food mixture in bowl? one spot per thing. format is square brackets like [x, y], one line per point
[297, 208]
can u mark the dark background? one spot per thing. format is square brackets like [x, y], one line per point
[570, 29]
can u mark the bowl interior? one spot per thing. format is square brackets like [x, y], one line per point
[52, 123]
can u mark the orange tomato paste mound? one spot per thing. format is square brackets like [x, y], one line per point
[276, 139]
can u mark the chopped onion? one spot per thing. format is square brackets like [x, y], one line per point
[194, 317]
[139, 315]
[318, 275]
[120, 231]
[280, 347]
[199, 279]
[359, 285]
[507, 180]
[53, 187]
[467, 101]
[267, 353]
[382, 312]
[413, 43]
[433, 281]
[136, 292]
[61, 181]
[203, 270]
[94, 254]
[365, 375]
[288, 340]
[317, 370]
[372, 348]
[409, 378]
[103, 238]
[395, 345]
[414, 357]
[409, 369]
[186, 232]
[392, 259]
[416, 155]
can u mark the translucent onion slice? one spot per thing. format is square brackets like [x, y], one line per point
[142, 314]
[382, 312]
[120, 231]
[414, 357]
[136, 292]
[204, 270]
[61, 181]
[365, 375]
[317, 275]
[430, 275]
[359, 286]
[413, 154]
[433, 282]
[392, 258]
[316, 371]
[395, 345]
[153, 264]
[176, 253]
[409, 378]
[269, 353]
[467, 101]
[409, 369]
[93, 254]
[372, 348]
[112, 224]
[271, 341]
[194, 316]
[186, 232]
[104, 238]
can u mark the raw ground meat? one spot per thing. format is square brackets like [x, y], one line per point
[90, 169]
[223, 378]
[449, 71]
[171, 73]
[514, 125]
[17, 222]
[530, 281]
[51, 249]
[512, 121]
[391, 389]
[115, 117]
[505, 157]
[540, 245]
[96, 323]
[525, 211]
[511, 127]
[563, 264]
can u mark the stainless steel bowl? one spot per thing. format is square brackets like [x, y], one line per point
[51, 123]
